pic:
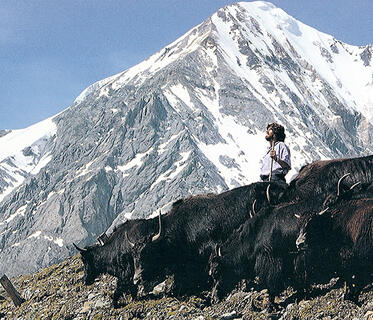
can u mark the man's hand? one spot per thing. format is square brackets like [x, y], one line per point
[272, 154]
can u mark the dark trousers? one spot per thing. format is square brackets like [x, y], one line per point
[275, 177]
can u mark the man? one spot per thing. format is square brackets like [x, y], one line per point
[278, 159]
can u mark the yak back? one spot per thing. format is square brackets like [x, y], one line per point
[320, 178]
[199, 219]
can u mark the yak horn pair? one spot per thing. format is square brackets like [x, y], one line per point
[102, 238]
[253, 206]
[339, 184]
[320, 213]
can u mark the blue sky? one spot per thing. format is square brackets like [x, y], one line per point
[51, 50]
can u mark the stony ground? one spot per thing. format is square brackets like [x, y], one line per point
[58, 293]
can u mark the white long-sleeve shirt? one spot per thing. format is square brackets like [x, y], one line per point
[283, 153]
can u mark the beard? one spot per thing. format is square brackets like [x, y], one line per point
[269, 138]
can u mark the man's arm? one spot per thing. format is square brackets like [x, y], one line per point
[281, 162]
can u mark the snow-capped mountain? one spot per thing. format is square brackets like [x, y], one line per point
[190, 119]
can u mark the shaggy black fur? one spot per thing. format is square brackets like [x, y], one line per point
[339, 243]
[189, 234]
[115, 258]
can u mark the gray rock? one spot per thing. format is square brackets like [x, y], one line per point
[140, 140]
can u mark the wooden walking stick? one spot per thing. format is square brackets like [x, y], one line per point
[272, 148]
[12, 292]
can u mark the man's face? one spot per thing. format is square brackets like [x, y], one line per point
[269, 135]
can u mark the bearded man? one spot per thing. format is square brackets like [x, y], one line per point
[276, 162]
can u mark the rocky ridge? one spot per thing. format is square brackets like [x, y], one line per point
[57, 292]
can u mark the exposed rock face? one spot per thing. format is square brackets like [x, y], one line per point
[188, 120]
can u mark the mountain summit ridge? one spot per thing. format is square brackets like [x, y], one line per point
[188, 120]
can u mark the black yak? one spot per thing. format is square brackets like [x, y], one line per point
[189, 232]
[338, 242]
[114, 257]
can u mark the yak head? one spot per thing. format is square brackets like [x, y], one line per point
[91, 271]
[147, 254]
[313, 231]
[315, 258]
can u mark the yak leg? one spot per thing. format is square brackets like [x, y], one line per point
[123, 286]
[219, 290]
[355, 284]
[118, 293]
[270, 271]
[353, 288]
[184, 284]
[215, 293]
[301, 283]
[190, 279]
[357, 276]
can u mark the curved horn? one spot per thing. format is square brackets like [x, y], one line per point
[79, 249]
[297, 216]
[128, 240]
[267, 193]
[322, 212]
[157, 236]
[253, 207]
[219, 252]
[339, 183]
[355, 185]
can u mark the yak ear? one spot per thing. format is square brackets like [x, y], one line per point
[79, 249]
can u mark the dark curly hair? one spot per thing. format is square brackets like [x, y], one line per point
[278, 131]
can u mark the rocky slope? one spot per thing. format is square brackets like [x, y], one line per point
[188, 120]
[58, 293]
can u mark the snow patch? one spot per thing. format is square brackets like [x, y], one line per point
[135, 162]
[177, 167]
[20, 212]
[35, 235]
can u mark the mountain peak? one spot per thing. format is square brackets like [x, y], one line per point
[188, 120]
